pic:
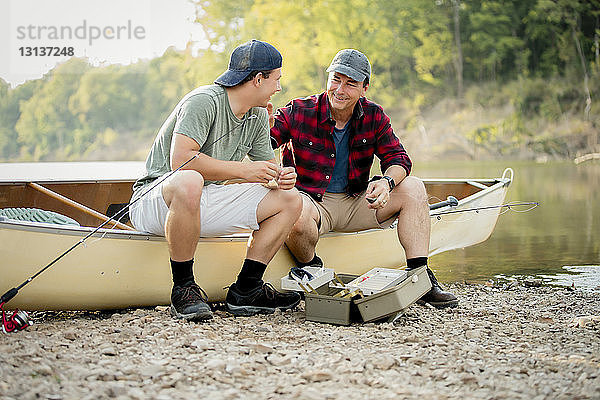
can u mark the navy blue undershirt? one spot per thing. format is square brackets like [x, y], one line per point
[339, 177]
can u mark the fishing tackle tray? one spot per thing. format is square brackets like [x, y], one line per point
[320, 277]
[327, 306]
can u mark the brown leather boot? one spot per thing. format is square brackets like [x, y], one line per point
[437, 297]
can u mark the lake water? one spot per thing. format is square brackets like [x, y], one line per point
[558, 242]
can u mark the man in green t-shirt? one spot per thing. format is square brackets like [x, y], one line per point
[215, 127]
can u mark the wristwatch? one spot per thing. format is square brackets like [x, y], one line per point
[390, 182]
[389, 179]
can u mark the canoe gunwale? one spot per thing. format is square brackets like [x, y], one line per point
[500, 184]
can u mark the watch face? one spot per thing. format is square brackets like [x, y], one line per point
[390, 182]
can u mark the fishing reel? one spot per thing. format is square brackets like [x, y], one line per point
[18, 321]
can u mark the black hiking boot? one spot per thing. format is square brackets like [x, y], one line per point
[189, 302]
[437, 297]
[262, 300]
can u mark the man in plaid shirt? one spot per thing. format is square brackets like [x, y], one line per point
[331, 139]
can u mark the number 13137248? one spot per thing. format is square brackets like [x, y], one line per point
[46, 51]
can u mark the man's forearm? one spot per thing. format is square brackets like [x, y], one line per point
[213, 169]
[396, 172]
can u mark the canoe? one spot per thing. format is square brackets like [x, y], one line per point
[120, 267]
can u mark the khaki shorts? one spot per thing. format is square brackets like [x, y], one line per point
[224, 209]
[341, 212]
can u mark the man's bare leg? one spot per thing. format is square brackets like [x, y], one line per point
[304, 235]
[182, 193]
[276, 213]
[409, 199]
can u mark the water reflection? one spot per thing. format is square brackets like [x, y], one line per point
[562, 231]
[580, 276]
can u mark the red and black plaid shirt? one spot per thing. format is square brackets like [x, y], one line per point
[304, 128]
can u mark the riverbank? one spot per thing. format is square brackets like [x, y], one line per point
[507, 342]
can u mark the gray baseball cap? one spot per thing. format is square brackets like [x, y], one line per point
[351, 63]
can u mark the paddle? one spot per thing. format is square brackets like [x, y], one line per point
[75, 204]
[450, 201]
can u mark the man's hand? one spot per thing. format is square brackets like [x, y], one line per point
[271, 115]
[287, 178]
[260, 171]
[378, 194]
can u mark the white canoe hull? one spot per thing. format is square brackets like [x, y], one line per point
[120, 269]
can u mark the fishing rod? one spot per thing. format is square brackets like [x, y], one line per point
[453, 202]
[19, 319]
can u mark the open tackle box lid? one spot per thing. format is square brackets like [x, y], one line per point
[394, 300]
[341, 303]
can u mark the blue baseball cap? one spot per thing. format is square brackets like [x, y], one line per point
[254, 55]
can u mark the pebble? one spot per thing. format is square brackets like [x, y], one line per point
[261, 348]
[502, 342]
[108, 351]
[317, 376]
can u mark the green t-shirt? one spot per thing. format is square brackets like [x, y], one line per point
[205, 116]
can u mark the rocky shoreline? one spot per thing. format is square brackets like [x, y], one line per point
[505, 342]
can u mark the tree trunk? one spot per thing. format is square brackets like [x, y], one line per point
[588, 100]
[597, 45]
[458, 60]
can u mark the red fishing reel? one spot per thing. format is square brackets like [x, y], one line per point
[18, 321]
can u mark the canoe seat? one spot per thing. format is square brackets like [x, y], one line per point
[37, 215]
[115, 208]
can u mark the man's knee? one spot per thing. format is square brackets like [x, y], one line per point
[185, 188]
[414, 188]
[308, 217]
[292, 201]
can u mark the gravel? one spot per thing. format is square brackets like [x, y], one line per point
[512, 342]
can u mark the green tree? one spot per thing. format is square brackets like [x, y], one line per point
[46, 123]
[10, 112]
[571, 24]
[495, 49]
[109, 97]
[171, 76]
[434, 52]
[310, 32]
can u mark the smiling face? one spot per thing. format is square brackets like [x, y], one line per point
[268, 86]
[343, 92]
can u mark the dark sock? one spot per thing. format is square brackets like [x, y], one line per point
[250, 277]
[316, 261]
[182, 272]
[416, 262]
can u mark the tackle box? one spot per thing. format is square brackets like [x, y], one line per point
[327, 306]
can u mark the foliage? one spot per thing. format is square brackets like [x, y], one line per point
[537, 56]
